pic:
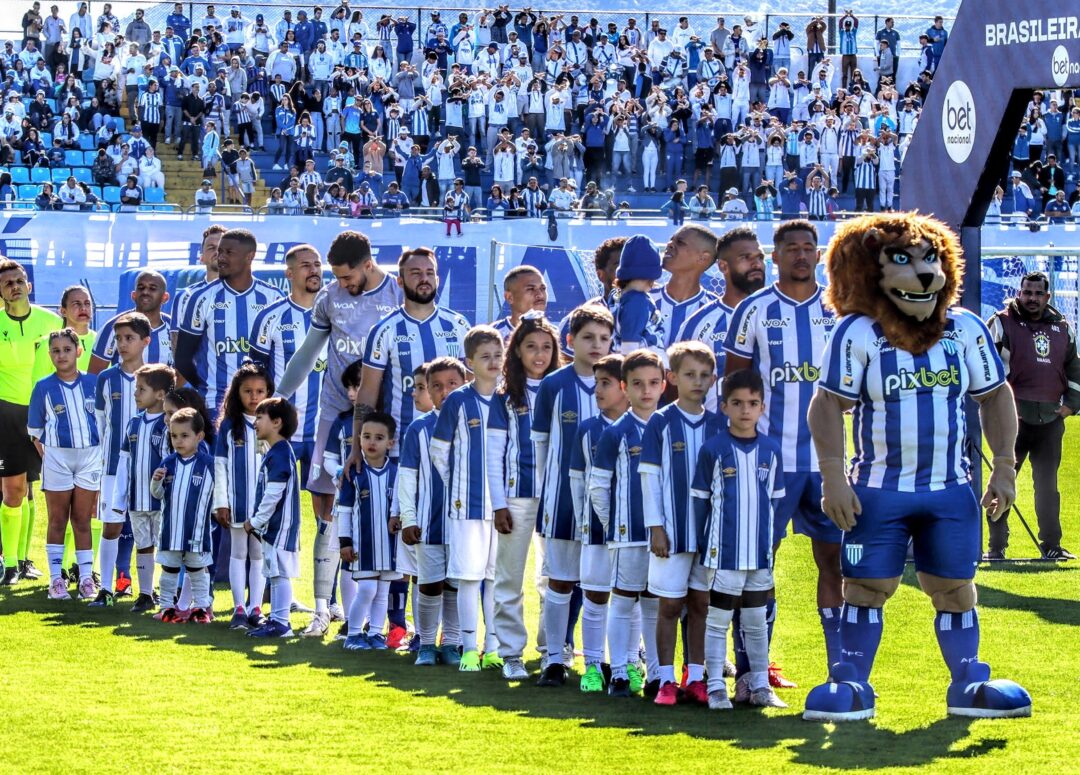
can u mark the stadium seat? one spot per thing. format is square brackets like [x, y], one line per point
[154, 195]
[20, 175]
[82, 174]
[51, 103]
[88, 158]
[28, 191]
[40, 175]
[73, 158]
[111, 194]
[60, 174]
[86, 142]
[46, 139]
[118, 124]
[96, 191]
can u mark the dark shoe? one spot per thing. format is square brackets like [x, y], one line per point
[619, 687]
[28, 571]
[104, 599]
[651, 689]
[1058, 553]
[993, 555]
[11, 577]
[143, 603]
[553, 675]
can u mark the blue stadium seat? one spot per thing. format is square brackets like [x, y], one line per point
[86, 142]
[82, 174]
[28, 191]
[88, 158]
[20, 175]
[40, 175]
[46, 139]
[73, 158]
[96, 191]
[51, 103]
[118, 124]
[60, 174]
[111, 194]
[154, 195]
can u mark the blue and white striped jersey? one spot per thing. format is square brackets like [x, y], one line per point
[669, 452]
[363, 507]
[223, 319]
[114, 405]
[590, 528]
[158, 351]
[564, 326]
[564, 401]
[276, 334]
[505, 328]
[399, 343]
[181, 301]
[736, 483]
[910, 427]
[144, 444]
[62, 413]
[637, 321]
[188, 490]
[338, 443]
[674, 314]
[615, 472]
[709, 325]
[512, 468]
[784, 339]
[277, 513]
[458, 447]
[236, 469]
[430, 505]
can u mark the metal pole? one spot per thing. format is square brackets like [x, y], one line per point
[491, 278]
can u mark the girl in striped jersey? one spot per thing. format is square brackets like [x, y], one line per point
[236, 468]
[62, 425]
[184, 483]
[513, 472]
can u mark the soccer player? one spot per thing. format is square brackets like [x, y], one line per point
[605, 264]
[422, 506]
[211, 236]
[514, 473]
[669, 450]
[595, 556]
[458, 450]
[781, 331]
[213, 339]
[368, 533]
[276, 520]
[22, 325]
[737, 481]
[637, 319]
[150, 295]
[687, 256]
[564, 401]
[62, 425]
[524, 291]
[184, 484]
[742, 263]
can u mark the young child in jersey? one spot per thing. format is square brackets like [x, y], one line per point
[737, 481]
[637, 319]
[564, 401]
[458, 448]
[615, 494]
[62, 425]
[421, 503]
[595, 557]
[669, 450]
[514, 475]
[115, 405]
[184, 483]
[367, 532]
[276, 518]
[452, 214]
[236, 469]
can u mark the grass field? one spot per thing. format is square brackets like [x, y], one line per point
[90, 690]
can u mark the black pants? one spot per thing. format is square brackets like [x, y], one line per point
[864, 200]
[1042, 445]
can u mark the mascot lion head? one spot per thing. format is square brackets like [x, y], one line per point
[902, 269]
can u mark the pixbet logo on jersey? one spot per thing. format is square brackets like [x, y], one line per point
[923, 378]
[232, 346]
[794, 372]
[958, 122]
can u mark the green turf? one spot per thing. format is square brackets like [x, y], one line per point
[90, 690]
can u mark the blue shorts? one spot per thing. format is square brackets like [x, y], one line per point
[801, 505]
[303, 451]
[944, 527]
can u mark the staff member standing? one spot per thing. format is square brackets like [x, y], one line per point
[1038, 348]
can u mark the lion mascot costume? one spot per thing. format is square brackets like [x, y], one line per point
[903, 359]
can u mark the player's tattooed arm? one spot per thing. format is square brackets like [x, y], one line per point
[826, 420]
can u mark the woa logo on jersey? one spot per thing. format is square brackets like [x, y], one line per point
[793, 372]
[924, 378]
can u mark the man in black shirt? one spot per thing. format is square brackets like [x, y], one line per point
[193, 110]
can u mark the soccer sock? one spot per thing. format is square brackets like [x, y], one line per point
[347, 587]
[399, 592]
[414, 592]
[770, 617]
[377, 618]
[633, 643]
[184, 603]
[200, 587]
[593, 625]
[169, 579]
[95, 541]
[428, 608]
[756, 637]
[107, 558]
[256, 579]
[958, 638]
[487, 603]
[280, 599]
[666, 674]
[11, 518]
[144, 568]
[650, 611]
[55, 553]
[361, 604]
[742, 666]
[556, 614]
[860, 634]
[325, 563]
[27, 533]
[576, 598]
[238, 565]
[69, 547]
[451, 623]
[124, 550]
[694, 673]
[620, 612]
[717, 623]
[830, 625]
[85, 559]
[468, 606]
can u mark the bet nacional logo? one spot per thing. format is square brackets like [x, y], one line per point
[958, 122]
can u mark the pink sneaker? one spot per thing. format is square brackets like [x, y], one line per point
[183, 614]
[58, 589]
[668, 694]
[696, 692]
[87, 588]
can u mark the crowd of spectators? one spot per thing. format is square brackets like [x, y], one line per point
[509, 111]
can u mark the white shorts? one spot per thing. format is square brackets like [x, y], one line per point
[379, 575]
[672, 576]
[595, 568]
[562, 559]
[279, 563]
[170, 559]
[65, 469]
[146, 527]
[105, 502]
[430, 563]
[735, 582]
[629, 567]
[406, 558]
[471, 549]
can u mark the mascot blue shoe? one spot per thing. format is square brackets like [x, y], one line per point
[843, 698]
[979, 697]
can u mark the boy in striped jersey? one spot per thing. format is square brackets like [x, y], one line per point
[615, 494]
[421, 504]
[115, 405]
[595, 557]
[184, 484]
[737, 481]
[458, 448]
[669, 449]
[565, 400]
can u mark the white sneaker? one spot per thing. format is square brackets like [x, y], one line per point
[631, 190]
[87, 588]
[58, 589]
[514, 670]
[766, 698]
[718, 700]
[337, 613]
[299, 608]
[318, 627]
[278, 167]
[742, 688]
[568, 655]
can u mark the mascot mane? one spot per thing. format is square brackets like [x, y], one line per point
[855, 273]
